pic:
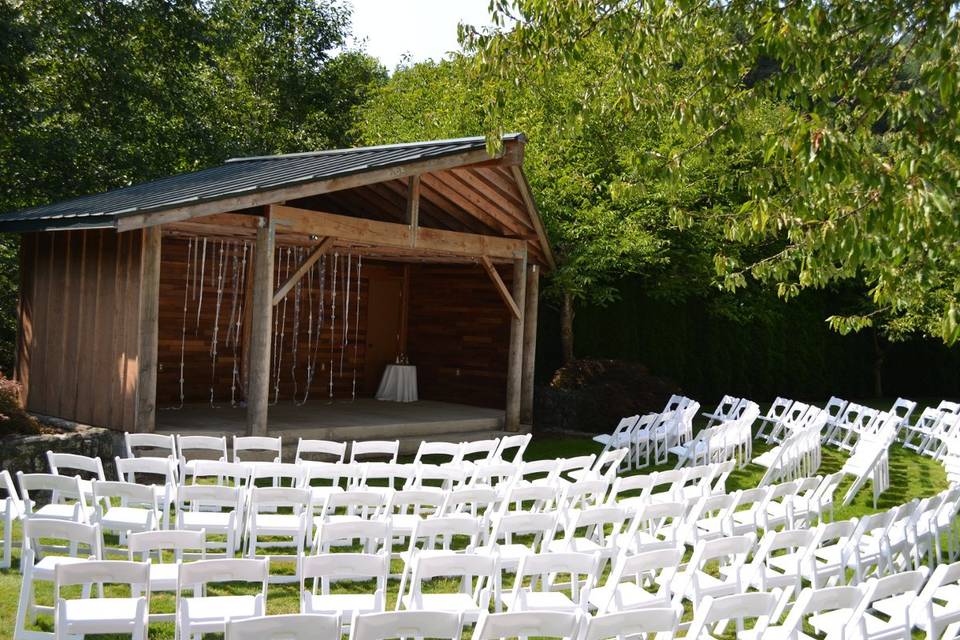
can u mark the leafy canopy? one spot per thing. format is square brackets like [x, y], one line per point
[858, 180]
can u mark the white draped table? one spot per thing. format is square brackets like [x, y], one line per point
[398, 384]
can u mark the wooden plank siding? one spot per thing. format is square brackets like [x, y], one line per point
[459, 333]
[78, 325]
[199, 371]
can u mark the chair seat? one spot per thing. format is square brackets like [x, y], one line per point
[43, 570]
[340, 603]
[212, 612]
[578, 545]
[402, 524]
[63, 512]
[100, 615]
[126, 518]
[163, 576]
[829, 621]
[280, 523]
[626, 595]
[767, 458]
[458, 602]
[786, 562]
[539, 601]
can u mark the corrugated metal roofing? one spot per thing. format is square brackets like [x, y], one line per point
[237, 176]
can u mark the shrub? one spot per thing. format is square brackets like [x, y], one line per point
[13, 419]
[592, 395]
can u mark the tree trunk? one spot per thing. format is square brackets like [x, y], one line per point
[566, 328]
[877, 366]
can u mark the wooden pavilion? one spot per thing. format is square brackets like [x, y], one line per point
[283, 285]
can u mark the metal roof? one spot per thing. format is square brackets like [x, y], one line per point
[238, 176]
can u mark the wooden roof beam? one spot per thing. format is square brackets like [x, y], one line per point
[308, 262]
[500, 286]
[390, 234]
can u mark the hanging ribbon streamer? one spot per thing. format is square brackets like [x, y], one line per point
[346, 311]
[309, 371]
[203, 266]
[356, 330]
[333, 317]
[239, 286]
[295, 346]
[183, 328]
[221, 271]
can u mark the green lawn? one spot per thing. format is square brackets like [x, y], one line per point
[912, 476]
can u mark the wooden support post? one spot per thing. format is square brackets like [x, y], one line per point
[413, 207]
[146, 417]
[515, 360]
[529, 343]
[258, 391]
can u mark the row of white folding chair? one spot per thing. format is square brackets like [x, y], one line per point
[798, 456]
[933, 430]
[799, 416]
[637, 433]
[728, 440]
[446, 625]
[729, 408]
[857, 421]
[669, 429]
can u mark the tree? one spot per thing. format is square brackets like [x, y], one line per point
[96, 94]
[605, 220]
[858, 182]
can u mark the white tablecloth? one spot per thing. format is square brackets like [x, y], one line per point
[398, 384]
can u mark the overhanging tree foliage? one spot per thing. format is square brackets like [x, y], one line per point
[859, 179]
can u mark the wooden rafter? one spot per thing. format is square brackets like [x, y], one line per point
[500, 286]
[413, 207]
[308, 262]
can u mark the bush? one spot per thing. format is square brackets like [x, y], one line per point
[13, 419]
[592, 395]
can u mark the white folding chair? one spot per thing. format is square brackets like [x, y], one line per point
[201, 613]
[839, 602]
[66, 501]
[730, 555]
[620, 438]
[137, 509]
[522, 534]
[478, 577]
[329, 450]
[601, 527]
[479, 502]
[354, 504]
[38, 566]
[441, 534]
[158, 473]
[536, 587]
[773, 416]
[265, 520]
[214, 510]
[194, 448]
[605, 467]
[656, 526]
[291, 626]
[777, 563]
[936, 610]
[408, 507]
[62, 464]
[661, 622]
[442, 625]
[711, 617]
[329, 569]
[524, 624]
[151, 445]
[638, 581]
[373, 536]
[257, 449]
[361, 450]
[884, 612]
[476, 451]
[154, 547]
[11, 510]
[114, 615]
[229, 474]
[386, 477]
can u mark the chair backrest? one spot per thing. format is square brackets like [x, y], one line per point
[361, 450]
[494, 474]
[903, 409]
[739, 607]
[583, 569]
[161, 470]
[204, 572]
[443, 625]
[523, 624]
[175, 540]
[655, 567]
[388, 474]
[516, 443]
[476, 501]
[810, 601]
[102, 572]
[260, 448]
[440, 532]
[74, 533]
[584, 493]
[448, 451]
[659, 523]
[360, 502]
[292, 473]
[373, 535]
[325, 568]
[479, 450]
[419, 502]
[156, 445]
[203, 497]
[202, 447]
[631, 623]
[65, 463]
[63, 488]
[330, 450]
[291, 626]
[8, 491]
[834, 408]
[221, 472]
[269, 498]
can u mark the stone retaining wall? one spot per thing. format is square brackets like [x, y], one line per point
[29, 453]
